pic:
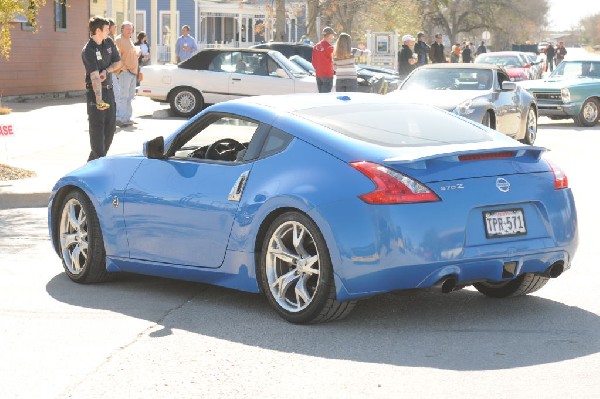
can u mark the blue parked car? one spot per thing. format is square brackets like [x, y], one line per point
[318, 200]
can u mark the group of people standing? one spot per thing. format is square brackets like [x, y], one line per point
[415, 53]
[555, 55]
[112, 72]
[329, 59]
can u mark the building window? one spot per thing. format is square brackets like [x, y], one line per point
[140, 21]
[60, 14]
[28, 24]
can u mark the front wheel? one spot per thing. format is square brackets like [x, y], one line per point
[530, 127]
[522, 285]
[186, 101]
[588, 116]
[81, 243]
[296, 272]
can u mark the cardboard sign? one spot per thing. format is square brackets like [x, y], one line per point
[6, 130]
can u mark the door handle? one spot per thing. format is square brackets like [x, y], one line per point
[236, 79]
[238, 187]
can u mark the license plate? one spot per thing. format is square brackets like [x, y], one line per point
[505, 223]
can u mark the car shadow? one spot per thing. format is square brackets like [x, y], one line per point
[459, 331]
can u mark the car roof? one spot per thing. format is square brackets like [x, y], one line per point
[461, 65]
[262, 45]
[587, 57]
[507, 52]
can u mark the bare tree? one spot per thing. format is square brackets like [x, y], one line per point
[279, 33]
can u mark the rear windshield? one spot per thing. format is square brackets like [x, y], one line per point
[397, 125]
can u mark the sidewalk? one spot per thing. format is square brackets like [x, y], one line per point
[50, 137]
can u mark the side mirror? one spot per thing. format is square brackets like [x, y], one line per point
[281, 73]
[155, 148]
[509, 86]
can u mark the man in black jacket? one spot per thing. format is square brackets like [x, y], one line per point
[550, 53]
[436, 54]
[406, 60]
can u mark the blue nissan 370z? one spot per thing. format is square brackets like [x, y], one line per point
[319, 200]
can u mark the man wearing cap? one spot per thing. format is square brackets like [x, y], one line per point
[421, 49]
[322, 60]
[436, 53]
[407, 60]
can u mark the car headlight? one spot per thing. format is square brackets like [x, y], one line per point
[566, 95]
[465, 108]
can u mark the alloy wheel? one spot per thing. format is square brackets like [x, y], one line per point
[292, 266]
[531, 132]
[73, 236]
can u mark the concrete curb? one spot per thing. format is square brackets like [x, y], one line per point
[24, 200]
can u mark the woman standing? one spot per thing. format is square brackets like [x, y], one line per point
[144, 58]
[142, 41]
[343, 63]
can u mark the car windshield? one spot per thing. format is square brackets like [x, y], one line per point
[577, 69]
[289, 65]
[501, 60]
[395, 125]
[449, 79]
[304, 64]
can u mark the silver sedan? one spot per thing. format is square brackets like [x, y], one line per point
[482, 93]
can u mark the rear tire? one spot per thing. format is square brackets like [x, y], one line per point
[186, 101]
[296, 273]
[80, 240]
[522, 285]
[590, 111]
[530, 127]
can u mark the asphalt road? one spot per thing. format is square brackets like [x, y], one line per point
[156, 338]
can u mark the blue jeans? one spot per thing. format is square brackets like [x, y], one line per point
[346, 85]
[127, 81]
[325, 85]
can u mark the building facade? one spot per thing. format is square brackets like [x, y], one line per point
[49, 60]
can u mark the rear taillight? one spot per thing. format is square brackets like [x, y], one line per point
[392, 187]
[560, 178]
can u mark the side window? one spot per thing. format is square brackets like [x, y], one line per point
[276, 141]
[272, 66]
[224, 62]
[256, 64]
[216, 137]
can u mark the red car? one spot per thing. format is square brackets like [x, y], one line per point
[513, 62]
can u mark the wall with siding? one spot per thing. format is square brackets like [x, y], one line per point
[186, 9]
[47, 61]
[119, 10]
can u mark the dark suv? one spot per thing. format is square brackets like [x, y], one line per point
[289, 49]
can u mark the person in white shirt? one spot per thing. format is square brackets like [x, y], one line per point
[343, 64]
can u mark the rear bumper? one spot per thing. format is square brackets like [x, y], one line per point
[155, 93]
[464, 273]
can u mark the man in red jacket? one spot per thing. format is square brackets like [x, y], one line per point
[322, 60]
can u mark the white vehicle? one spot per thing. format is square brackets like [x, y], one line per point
[215, 75]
